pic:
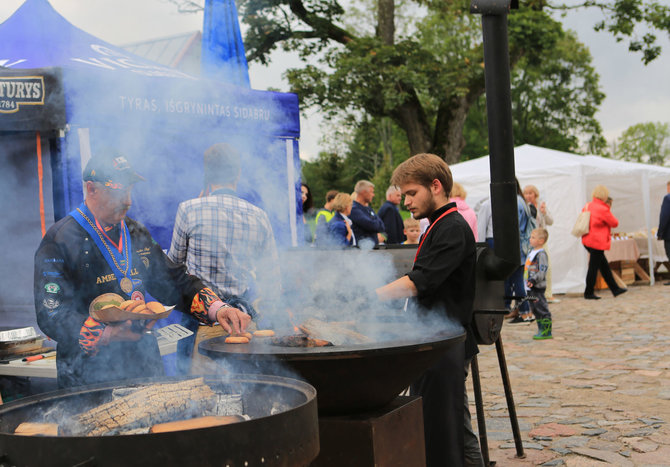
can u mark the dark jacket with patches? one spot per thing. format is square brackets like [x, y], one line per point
[70, 272]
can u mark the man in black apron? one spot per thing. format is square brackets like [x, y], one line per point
[442, 281]
[97, 249]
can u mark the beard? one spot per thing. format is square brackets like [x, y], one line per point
[427, 209]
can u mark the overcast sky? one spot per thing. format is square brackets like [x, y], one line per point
[635, 93]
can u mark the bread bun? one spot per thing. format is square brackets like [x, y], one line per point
[126, 304]
[142, 309]
[264, 333]
[237, 340]
[156, 307]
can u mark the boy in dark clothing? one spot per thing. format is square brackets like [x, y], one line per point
[535, 276]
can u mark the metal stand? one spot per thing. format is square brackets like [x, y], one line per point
[511, 408]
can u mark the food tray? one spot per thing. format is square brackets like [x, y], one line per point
[114, 314]
[17, 335]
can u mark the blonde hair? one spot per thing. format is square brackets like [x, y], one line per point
[542, 233]
[601, 192]
[457, 191]
[341, 201]
[534, 189]
[410, 222]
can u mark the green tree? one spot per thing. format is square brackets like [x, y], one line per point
[423, 70]
[323, 174]
[645, 142]
[554, 102]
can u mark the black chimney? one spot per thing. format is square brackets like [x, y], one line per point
[501, 140]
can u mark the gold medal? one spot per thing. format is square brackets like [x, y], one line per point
[126, 285]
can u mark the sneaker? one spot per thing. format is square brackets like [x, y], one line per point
[666, 283]
[519, 320]
[619, 291]
[592, 297]
[553, 300]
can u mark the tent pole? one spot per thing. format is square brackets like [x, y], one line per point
[40, 178]
[290, 172]
[647, 207]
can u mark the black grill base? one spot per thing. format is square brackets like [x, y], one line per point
[387, 437]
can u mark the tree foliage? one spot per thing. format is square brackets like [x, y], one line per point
[645, 142]
[554, 101]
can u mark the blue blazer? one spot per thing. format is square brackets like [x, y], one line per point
[337, 231]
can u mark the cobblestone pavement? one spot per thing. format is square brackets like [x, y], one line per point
[598, 393]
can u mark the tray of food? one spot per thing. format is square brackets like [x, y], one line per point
[111, 307]
[18, 335]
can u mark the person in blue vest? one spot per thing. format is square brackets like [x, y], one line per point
[97, 249]
[367, 226]
[389, 214]
[664, 225]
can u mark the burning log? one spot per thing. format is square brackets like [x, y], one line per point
[299, 340]
[37, 429]
[147, 406]
[194, 423]
[334, 332]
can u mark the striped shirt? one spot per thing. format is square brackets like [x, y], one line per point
[229, 244]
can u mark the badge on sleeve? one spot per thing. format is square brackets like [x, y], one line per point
[52, 287]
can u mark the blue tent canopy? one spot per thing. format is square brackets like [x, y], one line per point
[81, 93]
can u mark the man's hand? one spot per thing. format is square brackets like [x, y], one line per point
[234, 321]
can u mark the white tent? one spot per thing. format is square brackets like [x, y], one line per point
[565, 182]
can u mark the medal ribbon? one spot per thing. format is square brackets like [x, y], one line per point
[449, 211]
[115, 258]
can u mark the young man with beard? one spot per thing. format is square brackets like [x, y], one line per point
[442, 282]
[97, 249]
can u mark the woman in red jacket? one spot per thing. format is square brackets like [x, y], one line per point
[597, 241]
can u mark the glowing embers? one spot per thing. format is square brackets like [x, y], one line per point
[299, 340]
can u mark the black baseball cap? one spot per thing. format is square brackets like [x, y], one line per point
[112, 169]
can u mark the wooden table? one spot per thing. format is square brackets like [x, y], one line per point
[625, 250]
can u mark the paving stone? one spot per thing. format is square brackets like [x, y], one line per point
[552, 430]
[651, 420]
[526, 445]
[641, 445]
[665, 395]
[639, 432]
[554, 463]
[590, 426]
[611, 457]
[561, 451]
[660, 438]
[499, 435]
[609, 436]
[571, 441]
[535, 404]
[594, 432]
[649, 459]
[541, 438]
[597, 443]
[625, 453]
[576, 421]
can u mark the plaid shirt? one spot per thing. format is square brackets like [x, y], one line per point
[228, 243]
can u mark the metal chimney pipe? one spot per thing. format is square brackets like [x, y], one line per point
[501, 140]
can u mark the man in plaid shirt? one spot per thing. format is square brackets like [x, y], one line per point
[225, 240]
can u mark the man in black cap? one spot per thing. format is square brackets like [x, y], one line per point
[97, 249]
